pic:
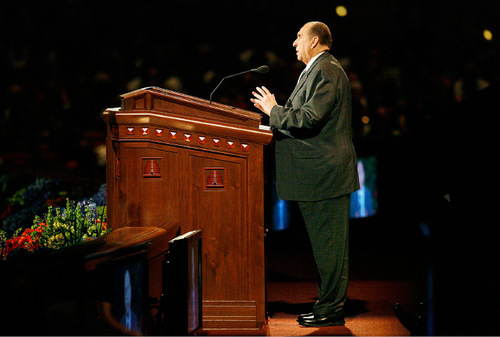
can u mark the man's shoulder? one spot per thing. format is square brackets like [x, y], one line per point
[329, 62]
[327, 67]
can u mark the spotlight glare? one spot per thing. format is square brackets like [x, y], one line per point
[341, 11]
[487, 34]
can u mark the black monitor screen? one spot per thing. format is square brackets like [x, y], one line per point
[194, 296]
[183, 284]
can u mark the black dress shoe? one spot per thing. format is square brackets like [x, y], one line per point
[302, 316]
[320, 320]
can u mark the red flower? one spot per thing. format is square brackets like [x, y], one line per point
[26, 240]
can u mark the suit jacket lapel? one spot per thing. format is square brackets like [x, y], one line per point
[303, 79]
[299, 85]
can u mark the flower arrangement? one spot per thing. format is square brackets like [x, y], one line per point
[78, 222]
[27, 240]
[58, 227]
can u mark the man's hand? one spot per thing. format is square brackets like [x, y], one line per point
[264, 100]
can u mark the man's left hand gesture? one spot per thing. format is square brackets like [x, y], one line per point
[263, 100]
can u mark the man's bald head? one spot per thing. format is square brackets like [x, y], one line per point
[319, 29]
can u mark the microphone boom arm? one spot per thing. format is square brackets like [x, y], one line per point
[261, 70]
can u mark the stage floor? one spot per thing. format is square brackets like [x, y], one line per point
[387, 266]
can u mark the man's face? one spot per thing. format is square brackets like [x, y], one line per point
[302, 44]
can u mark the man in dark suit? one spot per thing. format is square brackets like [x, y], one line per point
[316, 163]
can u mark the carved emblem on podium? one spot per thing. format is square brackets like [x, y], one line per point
[214, 178]
[151, 167]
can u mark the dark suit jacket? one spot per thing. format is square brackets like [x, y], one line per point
[315, 157]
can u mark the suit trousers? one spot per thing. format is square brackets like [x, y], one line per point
[327, 223]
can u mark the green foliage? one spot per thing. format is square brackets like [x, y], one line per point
[75, 223]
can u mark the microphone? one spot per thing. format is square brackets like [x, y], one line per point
[260, 70]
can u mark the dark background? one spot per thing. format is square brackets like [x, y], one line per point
[64, 62]
[421, 71]
[411, 64]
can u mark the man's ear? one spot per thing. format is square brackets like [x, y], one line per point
[314, 42]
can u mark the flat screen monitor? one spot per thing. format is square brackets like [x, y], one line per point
[182, 285]
[364, 201]
[130, 293]
[124, 282]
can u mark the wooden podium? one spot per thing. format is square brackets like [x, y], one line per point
[176, 159]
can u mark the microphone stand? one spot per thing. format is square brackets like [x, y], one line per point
[261, 69]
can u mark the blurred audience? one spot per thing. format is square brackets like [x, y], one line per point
[61, 70]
